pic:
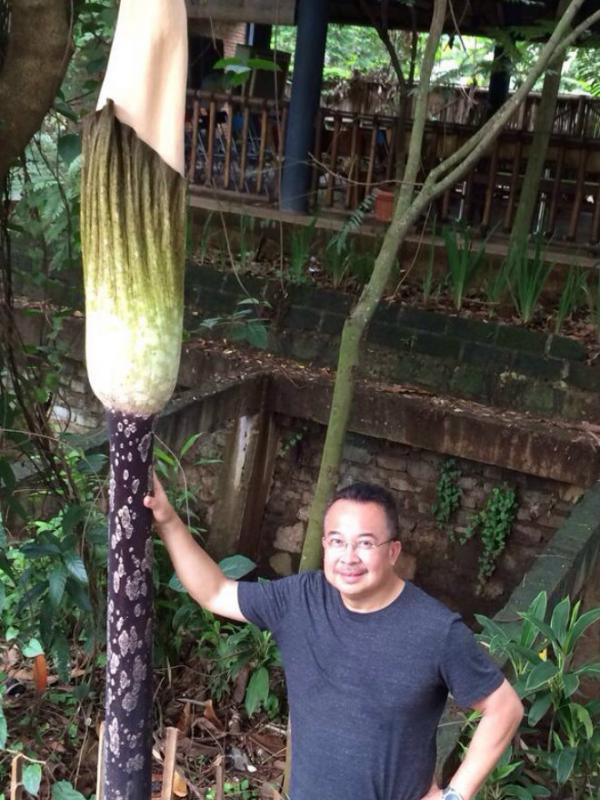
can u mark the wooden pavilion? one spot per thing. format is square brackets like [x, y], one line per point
[257, 148]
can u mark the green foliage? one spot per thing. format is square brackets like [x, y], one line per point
[526, 279]
[300, 241]
[64, 790]
[231, 649]
[46, 593]
[32, 777]
[238, 788]
[571, 297]
[341, 258]
[243, 325]
[463, 261]
[493, 524]
[447, 493]
[496, 283]
[592, 296]
[509, 777]
[428, 287]
[561, 734]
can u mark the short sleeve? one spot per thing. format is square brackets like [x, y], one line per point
[467, 670]
[265, 603]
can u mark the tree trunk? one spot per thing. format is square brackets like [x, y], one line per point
[128, 701]
[358, 321]
[36, 55]
[537, 153]
[406, 212]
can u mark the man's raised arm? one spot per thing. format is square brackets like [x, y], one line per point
[199, 574]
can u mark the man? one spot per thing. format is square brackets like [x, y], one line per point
[369, 658]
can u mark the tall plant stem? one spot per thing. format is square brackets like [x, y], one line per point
[408, 207]
[128, 701]
[539, 149]
[359, 319]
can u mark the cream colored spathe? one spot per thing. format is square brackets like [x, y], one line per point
[146, 74]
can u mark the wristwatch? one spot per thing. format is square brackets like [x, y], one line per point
[451, 794]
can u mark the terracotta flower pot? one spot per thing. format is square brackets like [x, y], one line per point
[384, 205]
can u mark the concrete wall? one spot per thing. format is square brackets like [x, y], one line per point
[493, 363]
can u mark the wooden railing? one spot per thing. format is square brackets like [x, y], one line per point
[577, 115]
[235, 145]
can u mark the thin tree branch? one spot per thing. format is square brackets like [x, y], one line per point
[384, 35]
[486, 133]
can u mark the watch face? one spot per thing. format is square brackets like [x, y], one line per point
[450, 794]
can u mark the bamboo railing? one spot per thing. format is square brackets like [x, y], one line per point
[235, 146]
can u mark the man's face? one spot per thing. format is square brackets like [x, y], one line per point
[358, 556]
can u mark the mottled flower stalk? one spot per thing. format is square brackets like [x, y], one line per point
[133, 203]
[128, 733]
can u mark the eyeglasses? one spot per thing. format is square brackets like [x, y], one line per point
[336, 544]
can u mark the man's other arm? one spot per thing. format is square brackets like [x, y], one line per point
[199, 574]
[501, 712]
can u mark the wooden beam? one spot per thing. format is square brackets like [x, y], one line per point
[282, 12]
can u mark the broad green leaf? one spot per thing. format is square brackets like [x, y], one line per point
[176, 584]
[570, 683]
[560, 619]
[11, 633]
[264, 64]
[591, 670]
[583, 715]
[61, 655]
[69, 147]
[72, 516]
[565, 763]
[3, 729]
[541, 627]
[539, 791]
[257, 691]
[584, 621]
[539, 708]
[57, 580]
[63, 790]
[237, 566]
[78, 594]
[2, 596]
[165, 457]
[33, 648]
[40, 550]
[76, 567]
[189, 443]
[32, 777]
[514, 790]
[540, 675]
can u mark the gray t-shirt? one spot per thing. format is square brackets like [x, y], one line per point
[366, 691]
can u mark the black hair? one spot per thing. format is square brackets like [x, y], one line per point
[361, 492]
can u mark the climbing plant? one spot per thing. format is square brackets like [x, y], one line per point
[493, 523]
[447, 493]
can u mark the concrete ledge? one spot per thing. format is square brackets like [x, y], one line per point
[459, 428]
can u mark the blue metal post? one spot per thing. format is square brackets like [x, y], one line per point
[311, 37]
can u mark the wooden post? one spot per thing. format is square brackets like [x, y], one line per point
[169, 764]
[244, 484]
[16, 778]
[100, 769]
[194, 145]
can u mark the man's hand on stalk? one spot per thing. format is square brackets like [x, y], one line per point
[158, 502]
